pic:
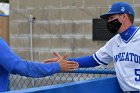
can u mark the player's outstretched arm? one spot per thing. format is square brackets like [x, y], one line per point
[84, 61]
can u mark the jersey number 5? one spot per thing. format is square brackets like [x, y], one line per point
[137, 73]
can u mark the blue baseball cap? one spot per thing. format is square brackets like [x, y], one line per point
[119, 8]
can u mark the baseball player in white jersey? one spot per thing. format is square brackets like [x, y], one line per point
[123, 49]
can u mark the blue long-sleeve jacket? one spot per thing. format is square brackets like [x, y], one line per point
[11, 63]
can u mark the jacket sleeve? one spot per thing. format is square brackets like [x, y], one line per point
[15, 65]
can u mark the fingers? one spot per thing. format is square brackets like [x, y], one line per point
[51, 60]
[48, 60]
[57, 54]
[62, 58]
[70, 68]
[56, 59]
[73, 63]
[68, 65]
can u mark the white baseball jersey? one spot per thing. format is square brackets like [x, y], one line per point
[125, 53]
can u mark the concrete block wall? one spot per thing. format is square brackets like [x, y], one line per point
[60, 25]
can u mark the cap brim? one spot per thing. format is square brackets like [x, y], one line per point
[105, 16]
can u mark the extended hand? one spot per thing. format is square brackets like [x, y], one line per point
[58, 56]
[67, 65]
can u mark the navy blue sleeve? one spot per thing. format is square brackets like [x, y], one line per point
[14, 64]
[85, 61]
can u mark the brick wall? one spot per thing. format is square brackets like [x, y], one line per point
[60, 25]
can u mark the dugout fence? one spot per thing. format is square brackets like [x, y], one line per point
[21, 82]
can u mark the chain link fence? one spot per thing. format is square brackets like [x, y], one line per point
[21, 82]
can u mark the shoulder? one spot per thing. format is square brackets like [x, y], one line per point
[138, 29]
[114, 39]
[137, 35]
[2, 42]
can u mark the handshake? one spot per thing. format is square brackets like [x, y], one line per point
[65, 65]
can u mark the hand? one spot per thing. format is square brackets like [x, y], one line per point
[58, 56]
[67, 65]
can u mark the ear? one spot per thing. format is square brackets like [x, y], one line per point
[125, 17]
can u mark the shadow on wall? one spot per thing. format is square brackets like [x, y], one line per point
[101, 85]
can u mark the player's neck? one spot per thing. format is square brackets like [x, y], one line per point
[124, 27]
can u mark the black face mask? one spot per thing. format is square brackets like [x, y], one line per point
[113, 26]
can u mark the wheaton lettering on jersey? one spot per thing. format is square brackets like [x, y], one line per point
[126, 56]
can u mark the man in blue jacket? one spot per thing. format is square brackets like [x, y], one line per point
[12, 63]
